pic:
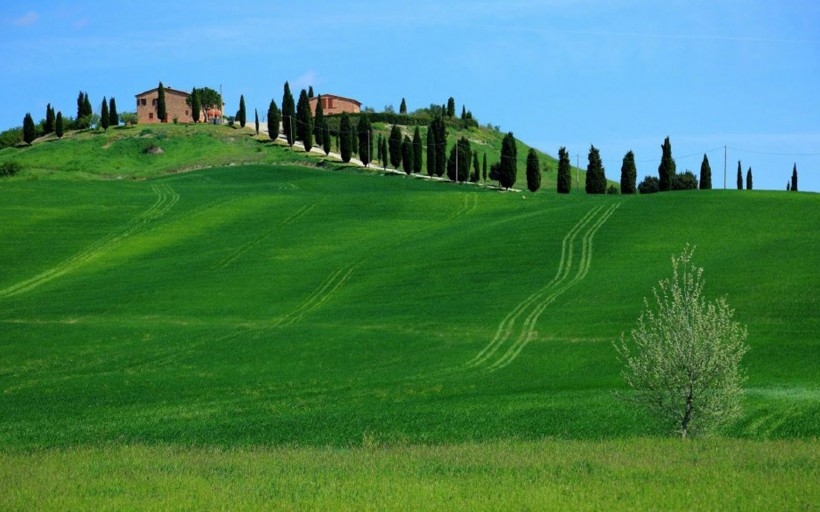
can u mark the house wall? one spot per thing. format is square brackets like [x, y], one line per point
[175, 107]
[335, 105]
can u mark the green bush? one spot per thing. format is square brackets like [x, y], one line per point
[10, 168]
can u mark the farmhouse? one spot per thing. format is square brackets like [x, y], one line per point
[332, 104]
[175, 106]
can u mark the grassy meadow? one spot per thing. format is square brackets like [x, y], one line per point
[326, 329]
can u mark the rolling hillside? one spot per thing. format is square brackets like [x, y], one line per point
[284, 304]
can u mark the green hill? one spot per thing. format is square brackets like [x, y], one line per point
[292, 305]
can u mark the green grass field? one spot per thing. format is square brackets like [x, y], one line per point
[325, 312]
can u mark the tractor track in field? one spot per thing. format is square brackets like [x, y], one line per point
[499, 352]
[320, 295]
[166, 199]
[253, 242]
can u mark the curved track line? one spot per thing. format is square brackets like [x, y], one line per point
[528, 333]
[253, 242]
[319, 296]
[166, 199]
[506, 327]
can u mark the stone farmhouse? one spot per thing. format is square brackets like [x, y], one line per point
[175, 107]
[332, 104]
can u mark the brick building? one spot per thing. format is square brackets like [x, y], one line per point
[332, 104]
[175, 106]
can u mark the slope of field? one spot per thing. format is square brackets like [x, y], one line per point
[288, 305]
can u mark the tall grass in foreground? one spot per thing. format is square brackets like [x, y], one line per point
[628, 474]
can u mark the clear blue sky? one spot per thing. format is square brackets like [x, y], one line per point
[618, 74]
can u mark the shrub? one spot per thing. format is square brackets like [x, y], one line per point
[649, 185]
[613, 190]
[10, 168]
[685, 181]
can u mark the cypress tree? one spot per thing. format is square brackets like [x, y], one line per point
[403, 108]
[325, 137]
[49, 125]
[241, 114]
[407, 155]
[629, 174]
[440, 145]
[196, 105]
[29, 131]
[304, 121]
[256, 120]
[274, 118]
[394, 145]
[384, 153]
[509, 161]
[739, 177]
[87, 110]
[80, 108]
[533, 171]
[431, 151]
[113, 116]
[596, 177]
[162, 113]
[794, 178]
[59, 125]
[666, 169]
[476, 175]
[417, 149]
[705, 174]
[104, 114]
[484, 167]
[461, 153]
[310, 93]
[354, 139]
[319, 122]
[749, 179]
[288, 111]
[345, 137]
[365, 133]
[451, 107]
[564, 177]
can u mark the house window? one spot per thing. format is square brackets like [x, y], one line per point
[154, 102]
[186, 112]
[150, 115]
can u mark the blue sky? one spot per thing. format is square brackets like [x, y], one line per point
[618, 74]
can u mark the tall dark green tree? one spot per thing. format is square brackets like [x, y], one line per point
[304, 121]
[310, 93]
[459, 160]
[242, 114]
[196, 105]
[794, 178]
[705, 181]
[113, 116]
[319, 122]
[256, 120]
[80, 107]
[48, 127]
[384, 157]
[431, 151]
[440, 145]
[509, 161]
[475, 176]
[417, 150]
[288, 115]
[533, 171]
[451, 107]
[162, 111]
[596, 177]
[403, 107]
[749, 179]
[325, 137]
[666, 169]
[104, 114]
[354, 139]
[84, 111]
[365, 133]
[739, 176]
[484, 167]
[345, 138]
[59, 125]
[274, 118]
[394, 145]
[29, 131]
[564, 177]
[407, 155]
[629, 174]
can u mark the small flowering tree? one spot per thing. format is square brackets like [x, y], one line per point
[683, 358]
